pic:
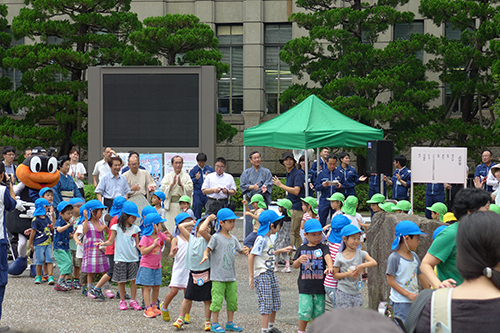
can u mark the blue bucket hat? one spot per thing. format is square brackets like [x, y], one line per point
[146, 211]
[338, 222]
[178, 219]
[94, 204]
[224, 214]
[437, 231]
[150, 220]
[43, 190]
[40, 204]
[265, 219]
[82, 218]
[405, 228]
[350, 230]
[62, 205]
[160, 195]
[117, 207]
[312, 225]
[76, 201]
[130, 208]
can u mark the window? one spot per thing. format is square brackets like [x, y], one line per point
[230, 99]
[403, 31]
[277, 73]
[14, 75]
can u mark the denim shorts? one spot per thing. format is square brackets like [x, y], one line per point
[148, 277]
[43, 254]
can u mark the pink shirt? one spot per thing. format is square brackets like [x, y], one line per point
[153, 258]
[330, 282]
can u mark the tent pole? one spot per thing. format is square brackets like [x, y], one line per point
[317, 170]
[243, 196]
[306, 173]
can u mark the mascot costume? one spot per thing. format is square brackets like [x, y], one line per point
[36, 172]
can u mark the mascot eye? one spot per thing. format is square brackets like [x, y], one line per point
[35, 164]
[52, 165]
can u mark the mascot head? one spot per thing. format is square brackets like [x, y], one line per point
[38, 171]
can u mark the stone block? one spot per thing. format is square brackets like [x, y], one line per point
[253, 102]
[205, 11]
[253, 33]
[253, 77]
[228, 12]
[253, 55]
[252, 11]
[276, 11]
[380, 236]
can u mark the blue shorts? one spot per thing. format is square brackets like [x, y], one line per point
[43, 254]
[148, 277]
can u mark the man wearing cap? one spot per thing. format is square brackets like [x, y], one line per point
[482, 171]
[327, 182]
[219, 186]
[198, 174]
[175, 184]
[256, 180]
[7, 203]
[102, 167]
[140, 181]
[295, 190]
[66, 188]
[113, 184]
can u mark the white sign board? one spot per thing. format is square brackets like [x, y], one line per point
[189, 161]
[438, 165]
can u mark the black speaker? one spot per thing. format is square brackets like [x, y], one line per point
[379, 156]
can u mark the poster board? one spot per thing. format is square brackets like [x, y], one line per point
[153, 163]
[189, 161]
[438, 165]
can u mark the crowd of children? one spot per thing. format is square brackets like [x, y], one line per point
[331, 261]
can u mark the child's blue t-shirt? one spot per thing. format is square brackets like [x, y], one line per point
[61, 239]
[42, 236]
[125, 245]
[405, 274]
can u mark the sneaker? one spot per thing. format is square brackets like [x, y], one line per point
[51, 280]
[215, 327]
[60, 287]
[98, 293]
[134, 305]
[38, 279]
[123, 305]
[69, 284]
[164, 313]
[149, 313]
[286, 270]
[91, 293]
[143, 305]
[156, 310]
[273, 330]
[127, 296]
[109, 294]
[178, 323]
[76, 285]
[207, 326]
[84, 290]
[187, 319]
[233, 327]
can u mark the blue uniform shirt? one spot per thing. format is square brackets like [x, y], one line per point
[348, 178]
[198, 182]
[313, 171]
[399, 192]
[374, 185]
[295, 178]
[434, 189]
[482, 172]
[6, 204]
[326, 192]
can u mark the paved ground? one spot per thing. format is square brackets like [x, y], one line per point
[39, 308]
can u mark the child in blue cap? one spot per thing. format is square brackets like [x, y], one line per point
[315, 262]
[224, 277]
[350, 262]
[74, 281]
[157, 200]
[63, 233]
[334, 242]
[41, 240]
[403, 268]
[261, 270]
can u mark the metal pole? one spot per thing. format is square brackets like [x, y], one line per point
[317, 170]
[243, 196]
[382, 186]
[307, 174]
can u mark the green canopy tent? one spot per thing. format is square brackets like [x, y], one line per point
[310, 124]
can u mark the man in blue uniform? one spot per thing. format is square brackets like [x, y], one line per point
[325, 184]
[434, 193]
[313, 171]
[482, 170]
[197, 175]
[400, 180]
[348, 176]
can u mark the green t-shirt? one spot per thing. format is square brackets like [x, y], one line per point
[444, 248]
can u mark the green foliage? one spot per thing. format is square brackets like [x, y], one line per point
[382, 87]
[224, 130]
[89, 191]
[467, 65]
[181, 39]
[68, 37]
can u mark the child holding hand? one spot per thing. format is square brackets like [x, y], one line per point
[63, 233]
